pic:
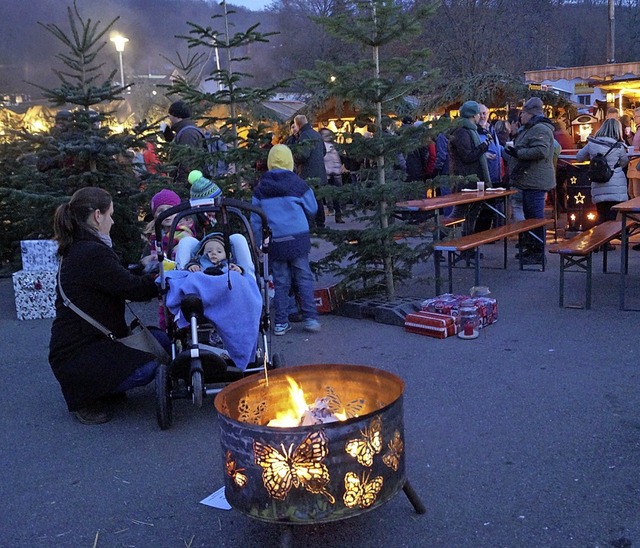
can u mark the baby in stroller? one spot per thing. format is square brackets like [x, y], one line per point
[229, 292]
[211, 257]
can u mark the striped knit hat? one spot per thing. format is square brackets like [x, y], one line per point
[201, 187]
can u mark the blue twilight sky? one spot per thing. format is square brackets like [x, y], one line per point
[255, 5]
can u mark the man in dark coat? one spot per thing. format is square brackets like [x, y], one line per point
[309, 155]
[531, 169]
[183, 131]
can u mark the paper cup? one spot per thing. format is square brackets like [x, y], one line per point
[480, 186]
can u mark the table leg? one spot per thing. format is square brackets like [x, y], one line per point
[436, 260]
[437, 255]
[624, 250]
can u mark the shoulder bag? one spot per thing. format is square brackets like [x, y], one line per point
[140, 338]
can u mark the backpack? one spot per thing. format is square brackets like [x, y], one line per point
[214, 145]
[599, 170]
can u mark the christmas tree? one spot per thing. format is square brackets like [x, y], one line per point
[42, 170]
[228, 111]
[373, 258]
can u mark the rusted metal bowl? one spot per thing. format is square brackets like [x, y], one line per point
[319, 473]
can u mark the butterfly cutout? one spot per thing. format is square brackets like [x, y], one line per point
[233, 472]
[392, 457]
[361, 492]
[350, 409]
[300, 467]
[371, 443]
[249, 413]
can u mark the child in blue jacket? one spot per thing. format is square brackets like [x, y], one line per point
[290, 207]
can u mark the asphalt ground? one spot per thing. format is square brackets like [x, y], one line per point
[526, 436]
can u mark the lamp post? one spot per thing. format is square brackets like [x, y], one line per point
[119, 42]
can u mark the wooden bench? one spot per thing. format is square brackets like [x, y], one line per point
[578, 252]
[470, 242]
[445, 227]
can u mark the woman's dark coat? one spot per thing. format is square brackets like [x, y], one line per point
[85, 362]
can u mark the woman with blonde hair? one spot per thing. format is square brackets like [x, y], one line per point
[608, 140]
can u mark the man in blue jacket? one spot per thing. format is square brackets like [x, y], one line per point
[290, 206]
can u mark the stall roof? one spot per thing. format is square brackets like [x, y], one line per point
[284, 110]
[609, 71]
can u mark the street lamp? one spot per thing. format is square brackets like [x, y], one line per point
[120, 41]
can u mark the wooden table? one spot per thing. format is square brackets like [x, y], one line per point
[450, 200]
[629, 210]
[457, 198]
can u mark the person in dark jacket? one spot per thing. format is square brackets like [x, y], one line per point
[417, 160]
[89, 366]
[530, 162]
[183, 131]
[310, 158]
[467, 157]
[289, 204]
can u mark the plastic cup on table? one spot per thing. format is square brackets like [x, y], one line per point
[480, 186]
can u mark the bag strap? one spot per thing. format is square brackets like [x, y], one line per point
[83, 315]
[185, 128]
[596, 141]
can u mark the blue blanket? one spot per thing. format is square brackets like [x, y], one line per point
[235, 312]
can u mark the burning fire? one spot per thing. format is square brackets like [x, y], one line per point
[300, 413]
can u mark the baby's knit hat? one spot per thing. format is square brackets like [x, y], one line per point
[216, 236]
[201, 187]
[164, 197]
[280, 157]
[469, 109]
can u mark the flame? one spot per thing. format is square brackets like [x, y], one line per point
[297, 406]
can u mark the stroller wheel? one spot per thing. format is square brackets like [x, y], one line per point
[164, 403]
[277, 361]
[196, 388]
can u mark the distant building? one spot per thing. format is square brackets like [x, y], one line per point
[616, 84]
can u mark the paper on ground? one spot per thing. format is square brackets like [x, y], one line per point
[217, 500]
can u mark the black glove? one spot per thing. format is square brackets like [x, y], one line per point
[511, 151]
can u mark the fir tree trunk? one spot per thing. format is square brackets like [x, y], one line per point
[384, 217]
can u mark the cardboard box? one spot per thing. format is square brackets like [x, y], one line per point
[35, 293]
[449, 304]
[431, 324]
[329, 298]
[39, 255]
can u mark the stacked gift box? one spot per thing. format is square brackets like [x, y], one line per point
[35, 285]
[486, 307]
[438, 317]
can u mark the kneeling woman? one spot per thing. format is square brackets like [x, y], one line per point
[90, 367]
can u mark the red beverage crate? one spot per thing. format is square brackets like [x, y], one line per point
[431, 324]
[329, 298]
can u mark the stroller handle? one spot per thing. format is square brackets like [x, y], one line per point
[213, 205]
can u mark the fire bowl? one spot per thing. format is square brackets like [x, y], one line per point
[320, 473]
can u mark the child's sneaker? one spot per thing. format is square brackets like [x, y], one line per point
[281, 328]
[313, 326]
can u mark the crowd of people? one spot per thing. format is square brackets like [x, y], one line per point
[520, 152]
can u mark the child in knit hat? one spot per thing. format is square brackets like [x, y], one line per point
[211, 257]
[201, 187]
[161, 201]
[290, 205]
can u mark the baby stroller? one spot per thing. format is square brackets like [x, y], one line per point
[218, 325]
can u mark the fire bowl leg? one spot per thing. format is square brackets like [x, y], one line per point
[286, 537]
[414, 499]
